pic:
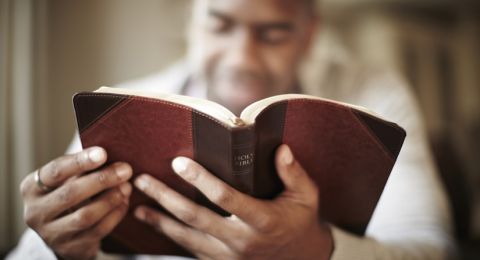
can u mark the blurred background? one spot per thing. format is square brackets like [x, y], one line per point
[50, 49]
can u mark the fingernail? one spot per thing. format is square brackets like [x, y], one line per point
[140, 214]
[124, 171]
[179, 165]
[287, 156]
[125, 189]
[141, 182]
[96, 154]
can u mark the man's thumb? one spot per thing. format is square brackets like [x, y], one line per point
[296, 180]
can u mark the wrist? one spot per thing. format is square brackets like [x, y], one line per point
[318, 243]
[326, 240]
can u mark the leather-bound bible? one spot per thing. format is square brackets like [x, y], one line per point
[348, 151]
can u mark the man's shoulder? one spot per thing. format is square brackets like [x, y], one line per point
[334, 71]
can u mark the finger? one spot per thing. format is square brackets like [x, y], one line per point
[90, 214]
[59, 170]
[108, 223]
[193, 240]
[77, 249]
[196, 216]
[74, 192]
[86, 243]
[217, 191]
[298, 185]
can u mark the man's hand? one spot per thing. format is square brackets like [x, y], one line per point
[287, 227]
[71, 218]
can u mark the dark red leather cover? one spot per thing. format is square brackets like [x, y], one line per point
[348, 153]
[148, 134]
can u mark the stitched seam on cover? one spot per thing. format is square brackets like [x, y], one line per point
[105, 117]
[182, 107]
[285, 122]
[130, 97]
[230, 149]
[340, 106]
[193, 124]
[370, 133]
[126, 101]
[364, 127]
[112, 107]
[398, 146]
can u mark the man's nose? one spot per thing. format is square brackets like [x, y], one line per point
[244, 51]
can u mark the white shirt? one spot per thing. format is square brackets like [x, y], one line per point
[412, 219]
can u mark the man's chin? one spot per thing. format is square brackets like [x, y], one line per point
[236, 99]
[236, 105]
[242, 101]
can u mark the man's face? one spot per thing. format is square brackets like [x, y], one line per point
[246, 50]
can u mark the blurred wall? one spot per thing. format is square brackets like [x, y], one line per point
[91, 43]
[50, 49]
[16, 117]
[435, 45]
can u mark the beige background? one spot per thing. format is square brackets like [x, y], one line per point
[50, 49]
[93, 43]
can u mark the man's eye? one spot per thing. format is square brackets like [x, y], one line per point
[218, 25]
[274, 35]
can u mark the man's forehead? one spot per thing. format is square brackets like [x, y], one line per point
[255, 10]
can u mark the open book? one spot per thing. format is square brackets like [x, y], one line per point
[347, 150]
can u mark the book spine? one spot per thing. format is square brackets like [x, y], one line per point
[226, 152]
[243, 158]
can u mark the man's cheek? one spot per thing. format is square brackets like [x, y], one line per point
[210, 65]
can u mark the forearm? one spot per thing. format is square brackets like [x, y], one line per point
[318, 245]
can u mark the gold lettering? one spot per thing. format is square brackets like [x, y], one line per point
[243, 159]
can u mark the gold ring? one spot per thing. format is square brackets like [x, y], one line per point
[39, 182]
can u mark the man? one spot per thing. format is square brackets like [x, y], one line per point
[242, 51]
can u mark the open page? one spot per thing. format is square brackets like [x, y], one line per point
[251, 112]
[218, 111]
